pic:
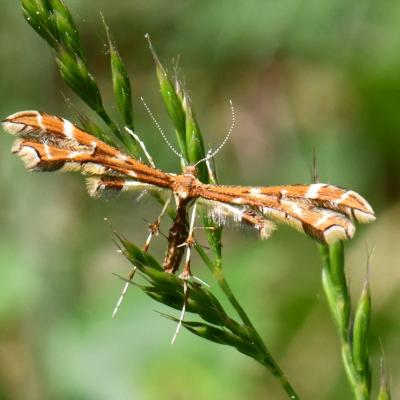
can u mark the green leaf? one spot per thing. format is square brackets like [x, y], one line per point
[207, 306]
[138, 256]
[172, 101]
[335, 286]
[218, 335]
[212, 333]
[384, 393]
[336, 260]
[173, 300]
[76, 74]
[66, 28]
[331, 296]
[89, 126]
[67, 37]
[39, 17]
[384, 386]
[361, 331]
[52, 20]
[194, 140]
[121, 82]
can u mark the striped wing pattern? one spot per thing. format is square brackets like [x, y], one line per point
[49, 143]
[322, 211]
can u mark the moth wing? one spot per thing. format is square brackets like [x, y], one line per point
[229, 215]
[319, 195]
[326, 226]
[49, 143]
[108, 187]
[323, 195]
[323, 212]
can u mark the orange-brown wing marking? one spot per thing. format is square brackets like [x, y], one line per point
[319, 195]
[324, 218]
[331, 197]
[48, 143]
[324, 225]
[37, 124]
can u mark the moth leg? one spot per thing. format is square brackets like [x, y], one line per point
[185, 298]
[189, 243]
[154, 229]
[186, 273]
[142, 145]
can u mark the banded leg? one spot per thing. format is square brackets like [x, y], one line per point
[154, 229]
[186, 273]
[142, 145]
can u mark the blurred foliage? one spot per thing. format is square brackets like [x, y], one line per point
[300, 74]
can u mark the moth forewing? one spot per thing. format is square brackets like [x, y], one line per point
[48, 143]
[108, 187]
[322, 212]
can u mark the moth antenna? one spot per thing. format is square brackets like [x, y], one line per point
[142, 145]
[161, 130]
[231, 128]
[210, 153]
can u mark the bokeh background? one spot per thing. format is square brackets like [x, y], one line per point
[301, 74]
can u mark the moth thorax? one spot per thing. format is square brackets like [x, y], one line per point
[184, 185]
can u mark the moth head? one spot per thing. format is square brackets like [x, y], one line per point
[191, 170]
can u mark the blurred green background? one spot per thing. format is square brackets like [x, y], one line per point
[301, 74]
